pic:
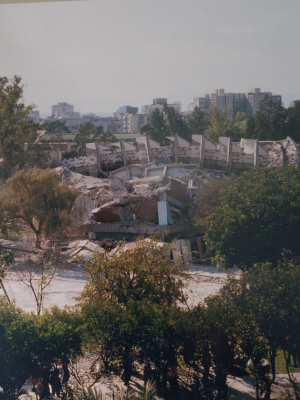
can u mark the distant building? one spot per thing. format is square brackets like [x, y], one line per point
[247, 103]
[73, 123]
[132, 123]
[63, 109]
[35, 116]
[158, 104]
[161, 101]
[125, 110]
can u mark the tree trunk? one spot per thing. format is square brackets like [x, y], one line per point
[4, 290]
[272, 360]
[38, 240]
[289, 375]
[206, 365]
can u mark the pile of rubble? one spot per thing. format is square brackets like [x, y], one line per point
[131, 197]
[282, 153]
[138, 202]
[275, 154]
[204, 176]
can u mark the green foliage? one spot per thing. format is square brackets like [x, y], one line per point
[147, 393]
[58, 331]
[293, 121]
[264, 303]
[130, 301]
[54, 127]
[40, 199]
[70, 154]
[258, 219]
[36, 155]
[16, 332]
[269, 123]
[6, 259]
[26, 339]
[15, 127]
[88, 393]
[208, 198]
[13, 114]
[176, 124]
[220, 124]
[198, 121]
[157, 130]
[88, 133]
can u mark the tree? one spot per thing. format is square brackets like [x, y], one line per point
[258, 219]
[15, 127]
[269, 123]
[220, 124]
[293, 121]
[198, 121]
[83, 135]
[105, 136]
[13, 114]
[6, 259]
[157, 130]
[16, 331]
[37, 271]
[40, 199]
[176, 124]
[88, 132]
[265, 304]
[26, 339]
[57, 127]
[58, 331]
[130, 302]
[208, 198]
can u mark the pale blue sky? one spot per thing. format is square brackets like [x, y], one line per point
[102, 54]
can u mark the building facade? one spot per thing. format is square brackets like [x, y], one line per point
[247, 103]
[158, 104]
[61, 109]
[132, 123]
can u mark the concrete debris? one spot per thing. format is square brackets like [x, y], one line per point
[275, 155]
[226, 155]
[131, 246]
[82, 248]
[141, 203]
[14, 245]
[282, 153]
[138, 199]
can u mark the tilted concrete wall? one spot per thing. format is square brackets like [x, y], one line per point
[225, 155]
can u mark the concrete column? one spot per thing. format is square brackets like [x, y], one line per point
[58, 154]
[255, 154]
[229, 152]
[202, 148]
[176, 147]
[162, 213]
[148, 149]
[123, 152]
[98, 155]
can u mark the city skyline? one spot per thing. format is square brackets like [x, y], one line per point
[100, 55]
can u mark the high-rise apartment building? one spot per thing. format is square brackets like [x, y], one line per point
[125, 110]
[62, 109]
[159, 105]
[247, 103]
[132, 123]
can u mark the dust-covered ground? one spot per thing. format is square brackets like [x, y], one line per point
[68, 284]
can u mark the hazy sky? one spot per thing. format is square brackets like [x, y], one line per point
[102, 54]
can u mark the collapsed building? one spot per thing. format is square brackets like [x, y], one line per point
[226, 155]
[137, 200]
[145, 188]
